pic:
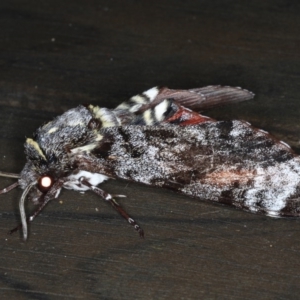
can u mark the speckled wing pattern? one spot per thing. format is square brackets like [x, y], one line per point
[227, 161]
[224, 161]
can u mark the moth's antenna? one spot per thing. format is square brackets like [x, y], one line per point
[10, 175]
[22, 209]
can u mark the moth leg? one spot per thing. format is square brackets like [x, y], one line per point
[108, 197]
[44, 202]
[19, 227]
[125, 215]
[9, 188]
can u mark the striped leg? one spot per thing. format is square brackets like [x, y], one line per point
[108, 197]
[9, 188]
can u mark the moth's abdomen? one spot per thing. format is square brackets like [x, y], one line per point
[272, 190]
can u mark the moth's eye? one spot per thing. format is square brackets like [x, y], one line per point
[94, 124]
[45, 183]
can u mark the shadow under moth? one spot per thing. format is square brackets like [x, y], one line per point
[158, 138]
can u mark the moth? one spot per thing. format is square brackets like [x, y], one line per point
[158, 138]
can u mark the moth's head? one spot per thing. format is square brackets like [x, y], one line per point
[40, 183]
[49, 154]
[39, 180]
[40, 172]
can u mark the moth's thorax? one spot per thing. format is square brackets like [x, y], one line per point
[49, 150]
[56, 143]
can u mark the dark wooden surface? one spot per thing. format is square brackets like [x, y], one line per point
[55, 55]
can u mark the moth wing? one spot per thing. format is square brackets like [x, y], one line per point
[206, 97]
[228, 161]
[170, 112]
[195, 99]
[133, 110]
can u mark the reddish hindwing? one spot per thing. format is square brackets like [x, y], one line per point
[187, 117]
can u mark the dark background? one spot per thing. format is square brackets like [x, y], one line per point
[55, 55]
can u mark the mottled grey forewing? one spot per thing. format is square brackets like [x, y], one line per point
[229, 162]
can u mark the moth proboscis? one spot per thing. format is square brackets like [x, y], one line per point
[158, 138]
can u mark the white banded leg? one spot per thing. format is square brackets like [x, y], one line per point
[9, 188]
[108, 197]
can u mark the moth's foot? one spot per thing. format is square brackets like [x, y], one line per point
[19, 227]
